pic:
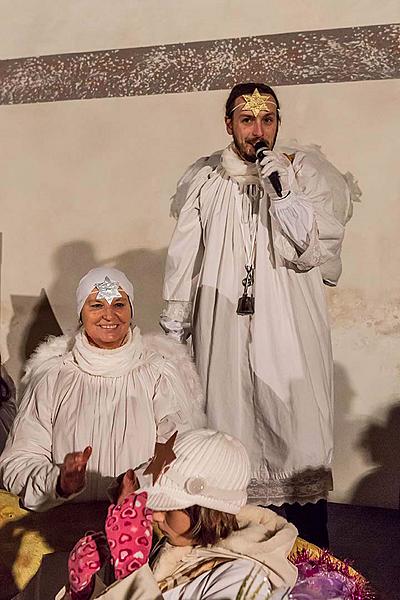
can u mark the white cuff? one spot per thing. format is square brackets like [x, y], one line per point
[177, 310]
[295, 216]
[177, 330]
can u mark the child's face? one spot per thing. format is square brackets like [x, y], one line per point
[174, 524]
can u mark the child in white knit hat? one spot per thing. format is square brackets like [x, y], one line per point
[213, 545]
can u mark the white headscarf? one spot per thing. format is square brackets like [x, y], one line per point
[96, 276]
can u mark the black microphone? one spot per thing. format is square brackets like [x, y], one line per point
[260, 148]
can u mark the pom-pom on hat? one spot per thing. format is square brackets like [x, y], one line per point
[96, 277]
[211, 469]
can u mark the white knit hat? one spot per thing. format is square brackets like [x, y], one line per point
[98, 275]
[211, 469]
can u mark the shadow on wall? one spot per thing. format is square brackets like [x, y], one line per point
[33, 320]
[344, 425]
[145, 268]
[69, 263]
[381, 444]
[54, 311]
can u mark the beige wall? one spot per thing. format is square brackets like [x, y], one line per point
[87, 182]
[34, 27]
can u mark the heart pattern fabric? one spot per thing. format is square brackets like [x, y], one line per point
[129, 534]
[86, 559]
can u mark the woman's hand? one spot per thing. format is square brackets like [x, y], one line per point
[129, 534]
[73, 472]
[86, 558]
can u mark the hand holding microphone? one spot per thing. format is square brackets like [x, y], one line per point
[275, 169]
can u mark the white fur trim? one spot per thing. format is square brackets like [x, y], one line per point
[197, 171]
[52, 347]
[168, 559]
[178, 354]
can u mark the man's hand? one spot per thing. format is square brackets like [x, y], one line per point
[275, 162]
[73, 472]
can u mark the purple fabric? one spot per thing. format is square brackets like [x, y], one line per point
[324, 577]
[322, 584]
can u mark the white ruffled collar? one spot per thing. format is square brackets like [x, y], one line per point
[244, 173]
[108, 363]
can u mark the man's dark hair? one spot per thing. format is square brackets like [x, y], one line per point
[247, 88]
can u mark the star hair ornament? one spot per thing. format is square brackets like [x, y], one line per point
[108, 290]
[163, 457]
[256, 102]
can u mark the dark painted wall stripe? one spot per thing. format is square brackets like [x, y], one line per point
[322, 56]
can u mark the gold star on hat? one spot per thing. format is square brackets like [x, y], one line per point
[163, 456]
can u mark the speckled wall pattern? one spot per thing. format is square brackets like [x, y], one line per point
[321, 56]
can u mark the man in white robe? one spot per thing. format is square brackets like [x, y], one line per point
[265, 361]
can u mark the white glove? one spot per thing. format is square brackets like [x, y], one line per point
[175, 329]
[279, 163]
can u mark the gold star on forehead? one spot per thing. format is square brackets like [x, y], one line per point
[256, 102]
[163, 456]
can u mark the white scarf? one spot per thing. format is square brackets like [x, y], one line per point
[245, 173]
[108, 363]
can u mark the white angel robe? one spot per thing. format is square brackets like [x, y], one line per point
[267, 378]
[117, 401]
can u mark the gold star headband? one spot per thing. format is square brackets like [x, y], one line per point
[256, 102]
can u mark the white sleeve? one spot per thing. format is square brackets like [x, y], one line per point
[311, 233]
[296, 218]
[26, 465]
[176, 407]
[183, 262]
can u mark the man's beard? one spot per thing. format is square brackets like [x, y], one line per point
[242, 152]
[241, 148]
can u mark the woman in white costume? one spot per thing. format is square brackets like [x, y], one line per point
[213, 547]
[95, 405]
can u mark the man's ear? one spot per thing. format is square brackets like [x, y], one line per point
[228, 125]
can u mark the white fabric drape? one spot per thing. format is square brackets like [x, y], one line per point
[267, 378]
[117, 401]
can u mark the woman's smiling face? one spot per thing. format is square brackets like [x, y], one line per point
[106, 325]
